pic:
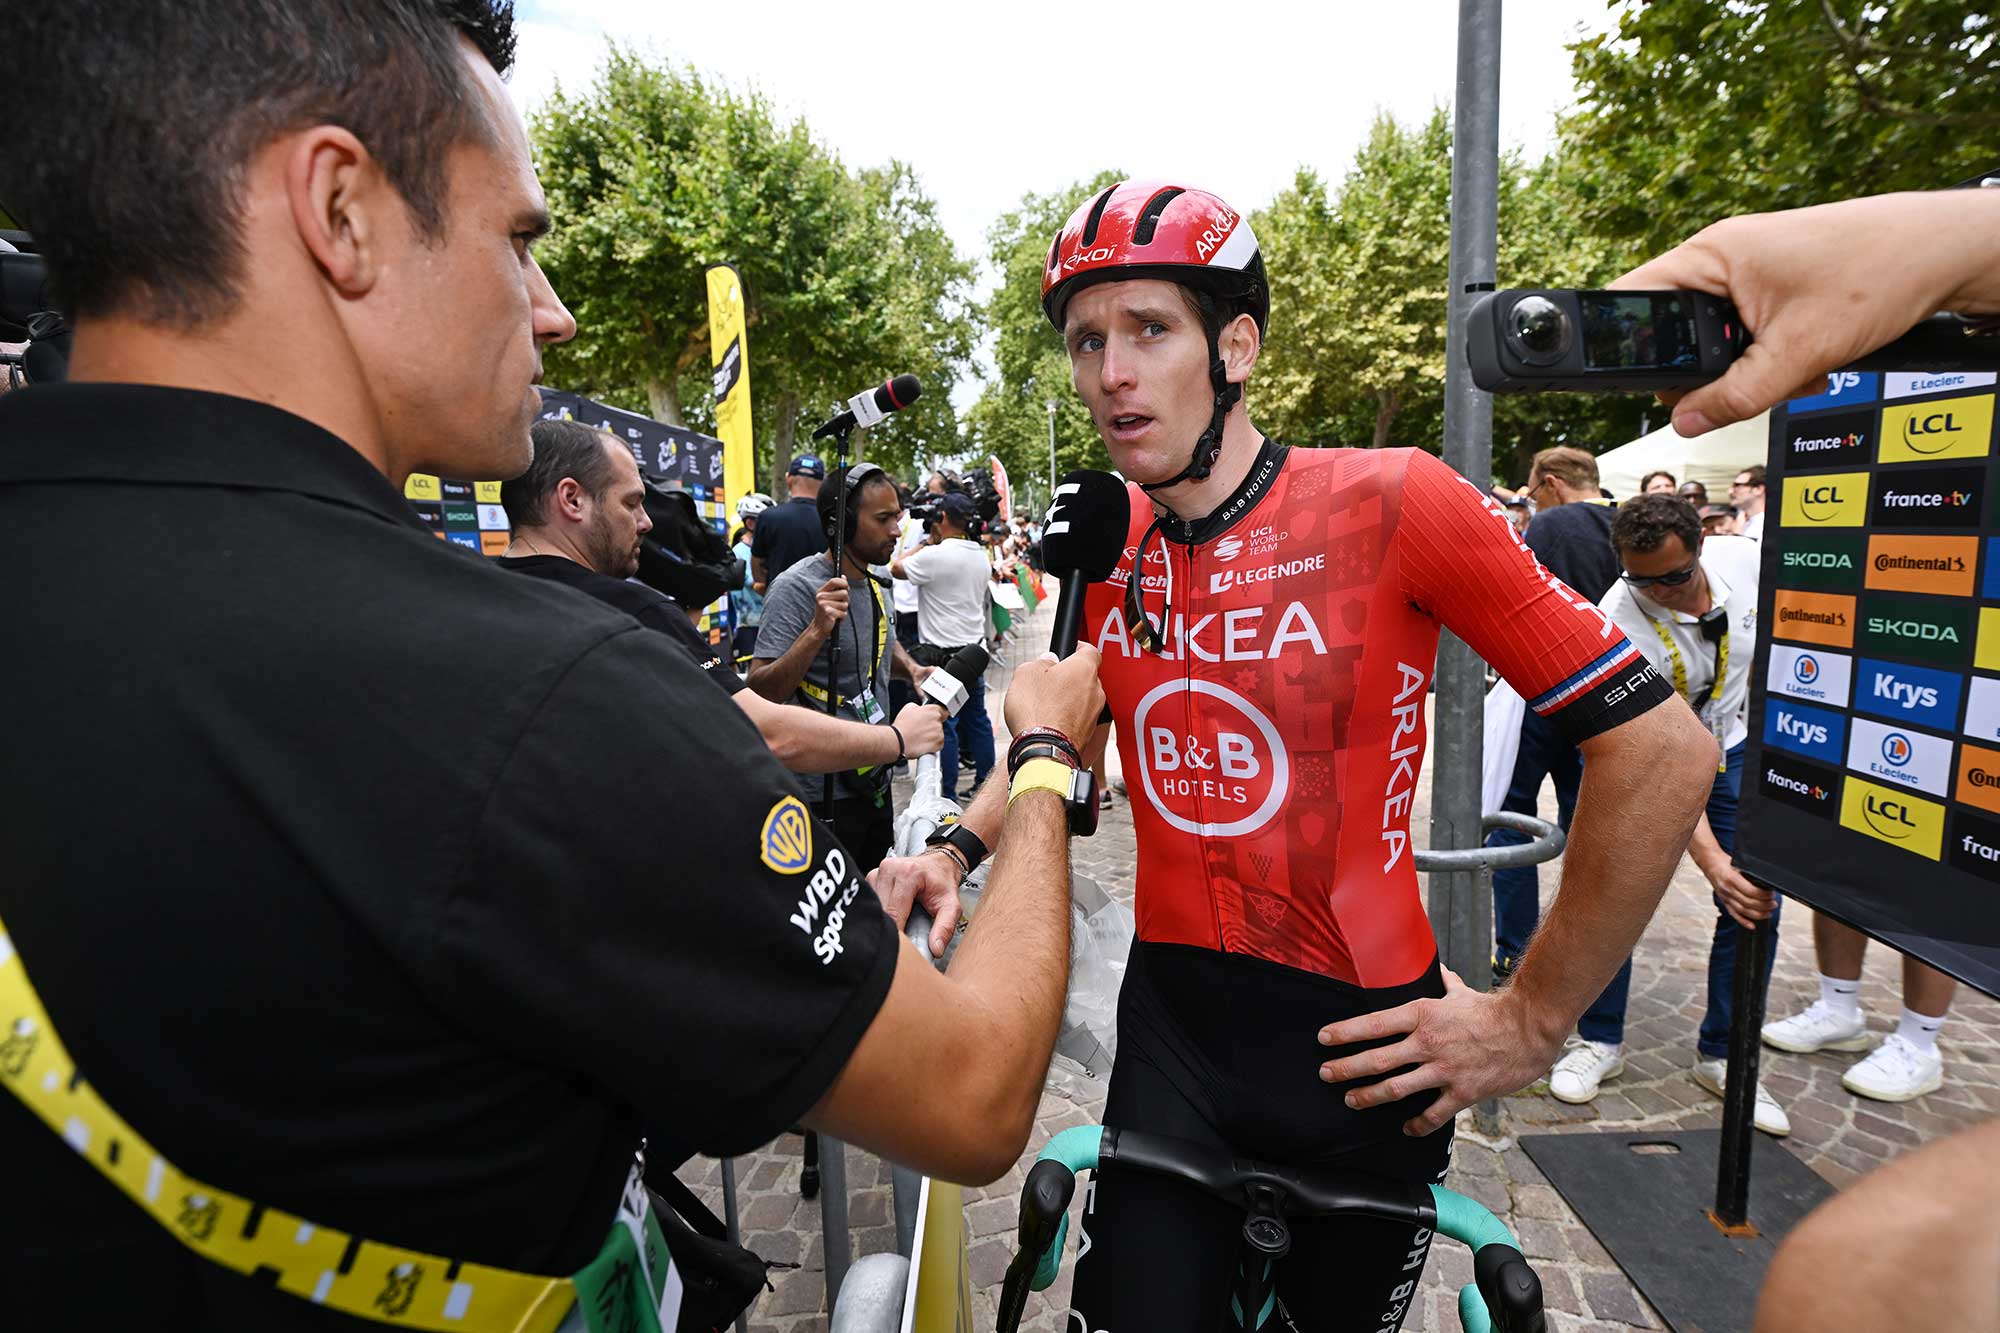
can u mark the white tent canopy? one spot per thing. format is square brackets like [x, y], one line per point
[1713, 459]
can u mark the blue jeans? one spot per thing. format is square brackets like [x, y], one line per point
[974, 729]
[1605, 1019]
[1517, 905]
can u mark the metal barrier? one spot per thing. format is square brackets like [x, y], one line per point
[1547, 843]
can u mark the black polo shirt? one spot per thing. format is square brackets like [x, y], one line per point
[787, 534]
[649, 606]
[364, 880]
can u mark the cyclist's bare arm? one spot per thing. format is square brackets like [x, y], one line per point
[1916, 1245]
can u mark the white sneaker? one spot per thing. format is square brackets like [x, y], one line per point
[1895, 1071]
[1767, 1116]
[1585, 1065]
[1817, 1029]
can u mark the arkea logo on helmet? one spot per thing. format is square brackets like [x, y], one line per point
[1213, 235]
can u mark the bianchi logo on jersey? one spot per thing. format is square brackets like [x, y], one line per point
[1223, 776]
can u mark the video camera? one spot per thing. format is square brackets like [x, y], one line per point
[28, 314]
[977, 487]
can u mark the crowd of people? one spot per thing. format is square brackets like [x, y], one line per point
[381, 919]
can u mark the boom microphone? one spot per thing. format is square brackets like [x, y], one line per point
[953, 683]
[866, 408]
[1081, 542]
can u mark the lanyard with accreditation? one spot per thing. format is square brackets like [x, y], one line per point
[1714, 628]
[631, 1284]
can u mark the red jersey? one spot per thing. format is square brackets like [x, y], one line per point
[1272, 750]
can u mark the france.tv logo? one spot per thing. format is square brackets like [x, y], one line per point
[1844, 388]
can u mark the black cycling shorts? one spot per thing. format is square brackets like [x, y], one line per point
[1224, 1049]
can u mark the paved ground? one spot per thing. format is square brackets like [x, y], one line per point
[1838, 1135]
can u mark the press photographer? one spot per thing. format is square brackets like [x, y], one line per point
[951, 573]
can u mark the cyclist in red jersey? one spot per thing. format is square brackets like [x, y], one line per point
[1268, 644]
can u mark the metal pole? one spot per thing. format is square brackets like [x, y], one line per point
[834, 1236]
[731, 1227]
[1461, 912]
[1052, 451]
[1739, 1100]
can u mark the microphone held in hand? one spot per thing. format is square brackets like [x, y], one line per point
[953, 683]
[1081, 542]
[866, 408]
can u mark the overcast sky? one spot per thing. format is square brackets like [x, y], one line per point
[987, 102]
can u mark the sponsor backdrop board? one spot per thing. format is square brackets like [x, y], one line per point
[465, 512]
[1871, 788]
[665, 453]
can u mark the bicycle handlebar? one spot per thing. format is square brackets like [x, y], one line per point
[1505, 1292]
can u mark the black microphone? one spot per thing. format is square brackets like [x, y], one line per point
[953, 683]
[866, 408]
[1081, 542]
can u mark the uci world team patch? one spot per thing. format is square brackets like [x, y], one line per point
[788, 837]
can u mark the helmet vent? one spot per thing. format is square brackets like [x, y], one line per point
[1149, 216]
[1096, 216]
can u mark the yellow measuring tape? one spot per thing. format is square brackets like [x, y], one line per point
[1681, 678]
[363, 1278]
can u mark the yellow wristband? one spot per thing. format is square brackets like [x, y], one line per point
[1040, 775]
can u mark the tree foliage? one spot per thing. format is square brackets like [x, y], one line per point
[1690, 111]
[655, 173]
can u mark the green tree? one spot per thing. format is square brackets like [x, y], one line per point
[1691, 111]
[655, 174]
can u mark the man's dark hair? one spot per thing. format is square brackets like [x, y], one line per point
[1657, 472]
[132, 126]
[1754, 474]
[562, 449]
[1217, 313]
[1644, 522]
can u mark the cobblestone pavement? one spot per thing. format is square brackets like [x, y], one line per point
[1838, 1135]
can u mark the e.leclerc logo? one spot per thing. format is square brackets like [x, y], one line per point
[1224, 778]
[1806, 669]
[1812, 674]
[1826, 500]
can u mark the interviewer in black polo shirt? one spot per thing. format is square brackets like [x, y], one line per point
[332, 851]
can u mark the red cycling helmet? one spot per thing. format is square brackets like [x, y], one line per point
[1151, 229]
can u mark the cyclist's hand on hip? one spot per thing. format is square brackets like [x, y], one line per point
[1064, 695]
[1468, 1045]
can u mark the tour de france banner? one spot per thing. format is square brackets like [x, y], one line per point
[665, 453]
[1871, 787]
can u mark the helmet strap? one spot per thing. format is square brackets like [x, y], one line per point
[1207, 449]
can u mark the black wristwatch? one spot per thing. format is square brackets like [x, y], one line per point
[964, 839]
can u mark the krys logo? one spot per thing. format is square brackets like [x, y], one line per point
[1826, 500]
[1231, 765]
[1947, 428]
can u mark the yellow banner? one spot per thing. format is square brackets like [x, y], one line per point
[729, 360]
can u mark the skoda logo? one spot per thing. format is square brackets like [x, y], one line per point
[1806, 669]
[1896, 748]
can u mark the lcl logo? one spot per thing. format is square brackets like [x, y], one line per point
[1937, 423]
[1887, 816]
[1824, 498]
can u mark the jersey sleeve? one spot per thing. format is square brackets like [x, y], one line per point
[649, 906]
[1462, 563]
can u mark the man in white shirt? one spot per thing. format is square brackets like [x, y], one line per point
[1747, 494]
[1690, 605]
[950, 575]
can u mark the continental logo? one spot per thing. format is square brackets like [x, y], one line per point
[1946, 428]
[787, 837]
[1942, 566]
[1821, 560]
[1895, 817]
[1814, 617]
[1829, 500]
[1841, 440]
[1979, 777]
[1932, 498]
[1936, 632]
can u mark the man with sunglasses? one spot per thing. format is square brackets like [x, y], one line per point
[1690, 605]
